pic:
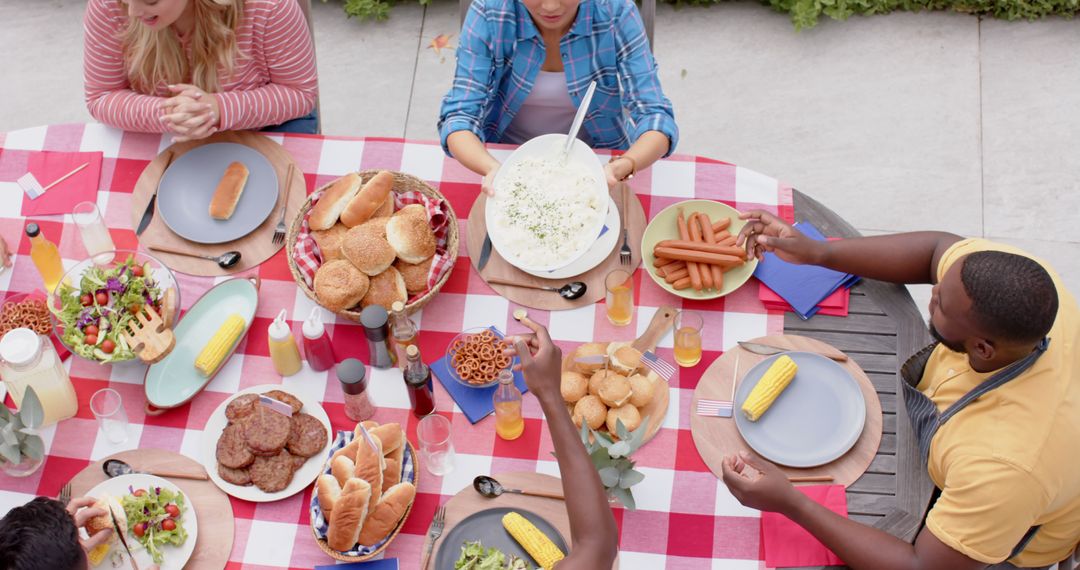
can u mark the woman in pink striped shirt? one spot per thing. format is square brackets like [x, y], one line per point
[195, 67]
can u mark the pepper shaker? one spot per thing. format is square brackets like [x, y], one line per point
[352, 375]
[377, 332]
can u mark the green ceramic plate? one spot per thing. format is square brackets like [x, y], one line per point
[664, 226]
[174, 381]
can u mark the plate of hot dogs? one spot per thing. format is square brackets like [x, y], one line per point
[689, 250]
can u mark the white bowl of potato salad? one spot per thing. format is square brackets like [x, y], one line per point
[546, 213]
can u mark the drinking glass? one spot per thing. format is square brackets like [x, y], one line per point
[620, 297]
[436, 446]
[688, 326]
[95, 235]
[108, 408]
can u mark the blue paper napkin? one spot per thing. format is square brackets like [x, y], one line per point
[802, 286]
[384, 564]
[475, 402]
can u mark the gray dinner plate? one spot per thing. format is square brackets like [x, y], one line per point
[814, 421]
[486, 526]
[188, 185]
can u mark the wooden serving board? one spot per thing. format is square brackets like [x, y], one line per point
[716, 437]
[255, 248]
[212, 506]
[497, 267]
[468, 501]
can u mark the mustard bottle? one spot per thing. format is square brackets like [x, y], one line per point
[283, 350]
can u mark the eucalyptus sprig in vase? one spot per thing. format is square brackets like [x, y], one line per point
[611, 458]
[22, 449]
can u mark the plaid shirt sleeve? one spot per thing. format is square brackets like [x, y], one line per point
[644, 99]
[463, 107]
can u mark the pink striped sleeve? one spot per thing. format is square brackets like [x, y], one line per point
[290, 61]
[109, 97]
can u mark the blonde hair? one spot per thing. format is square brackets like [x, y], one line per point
[156, 57]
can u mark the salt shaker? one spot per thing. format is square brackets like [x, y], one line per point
[377, 332]
[352, 375]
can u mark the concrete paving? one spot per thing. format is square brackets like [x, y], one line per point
[899, 122]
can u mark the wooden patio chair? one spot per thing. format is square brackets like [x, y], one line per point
[305, 5]
[648, 15]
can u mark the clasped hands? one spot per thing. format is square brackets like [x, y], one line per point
[190, 114]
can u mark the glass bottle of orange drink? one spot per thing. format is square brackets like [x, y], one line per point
[688, 338]
[509, 422]
[620, 297]
[46, 258]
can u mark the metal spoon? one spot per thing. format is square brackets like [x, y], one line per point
[224, 261]
[570, 291]
[116, 468]
[491, 488]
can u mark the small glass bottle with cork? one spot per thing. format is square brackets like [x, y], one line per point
[403, 330]
[418, 381]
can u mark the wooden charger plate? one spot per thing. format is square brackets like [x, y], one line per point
[497, 267]
[255, 248]
[212, 506]
[716, 437]
[468, 501]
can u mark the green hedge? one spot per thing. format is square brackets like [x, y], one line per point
[805, 13]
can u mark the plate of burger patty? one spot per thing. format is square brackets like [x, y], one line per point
[264, 443]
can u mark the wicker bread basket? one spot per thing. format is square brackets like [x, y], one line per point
[402, 183]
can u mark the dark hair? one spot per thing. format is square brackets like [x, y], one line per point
[40, 535]
[1013, 298]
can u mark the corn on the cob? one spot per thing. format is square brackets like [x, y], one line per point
[97, 554]
[536, 543]
[213, 354]
[775, 380]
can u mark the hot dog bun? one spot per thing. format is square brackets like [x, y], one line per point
[350, 512]
[369, 200]
[384, 517]
[229, 189]
[327, 211]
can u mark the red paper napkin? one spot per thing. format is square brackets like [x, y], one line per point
[788, 545]
[48, 166]
[835, 304]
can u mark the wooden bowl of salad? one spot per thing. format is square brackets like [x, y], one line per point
[97, 298]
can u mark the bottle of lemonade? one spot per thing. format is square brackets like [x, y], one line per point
[46, 257]
[508, 421]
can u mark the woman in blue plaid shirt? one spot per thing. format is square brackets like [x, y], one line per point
[523, 67]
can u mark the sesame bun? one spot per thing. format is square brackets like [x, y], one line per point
[597, 380]
[590, 349]
[625, 359]
[642, 389]
[366, 247]
[574, 386]
[413, 210]
[329, 241]
[339, 285]
[410, 235]
[386, 288]
[630, 416]
[333, 201]
[591, 410]
[414, 274]
[614, 390]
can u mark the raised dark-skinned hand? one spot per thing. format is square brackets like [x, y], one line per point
[767, 232]
[541, 361]
[758, 484]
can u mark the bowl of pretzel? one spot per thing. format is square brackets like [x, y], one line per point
[475, 357]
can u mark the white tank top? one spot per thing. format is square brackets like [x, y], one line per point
[547, 109]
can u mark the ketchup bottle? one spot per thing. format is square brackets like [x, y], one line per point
[317, 347]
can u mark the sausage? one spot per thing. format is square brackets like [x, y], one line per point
[684, 234]
[695, 237]
[706, 247]
[710, 238]
[729, 240]
[676, 275]
[660, 262]
[699, 257]
[681, 284]
[721, 224]
[672, 267]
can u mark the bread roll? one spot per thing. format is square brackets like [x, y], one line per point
[641, 390]
[368, 200]
[410, 236]
[590, 410]
[590, 349]
[614, 390]
[342, 468]
[415, 274]
[625, 359]
[328, 490]
[597, 380]
[339, 285]
[327, 211]
[630, 416]
[574, 386]
[386, 288]
[417, 210]
[383, 519]
[101, 522]
[387, 208]
[365, 246]
[349, 515]
[390, 435]
[369, 465]
[329, 242]
[347, 451]
[229, 189]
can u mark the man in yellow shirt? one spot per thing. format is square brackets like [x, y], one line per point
[995, 404]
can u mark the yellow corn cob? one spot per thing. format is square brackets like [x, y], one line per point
[213, 354]
[775, 380]
[97, 554]
[536, 543]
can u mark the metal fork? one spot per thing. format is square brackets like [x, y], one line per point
[624, 251]
[279, 231]
[434, 532]
[65, 494]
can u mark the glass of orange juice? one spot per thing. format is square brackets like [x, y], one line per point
[688, 326]
[620, 297]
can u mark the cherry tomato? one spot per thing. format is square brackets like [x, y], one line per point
[102, 298]
[173, 510]
[90, 339]
[90, 329]
[140, 529]
[168, 524]
[137, 270]
[86, 299]
[135, 309]
[139, 492]
[107, 346]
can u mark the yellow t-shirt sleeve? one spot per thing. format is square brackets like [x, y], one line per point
[985, 508]
[972, 245]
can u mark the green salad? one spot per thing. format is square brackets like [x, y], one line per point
[475, 557]
[154, 518]
[107, 298]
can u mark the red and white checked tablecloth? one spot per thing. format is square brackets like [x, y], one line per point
[685, 518]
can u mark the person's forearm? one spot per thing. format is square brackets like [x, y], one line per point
[858, 545]
[466, 147]
[592, 526]
[900, 258]
[650, 147]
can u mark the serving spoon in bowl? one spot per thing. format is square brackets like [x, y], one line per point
[570, 291]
